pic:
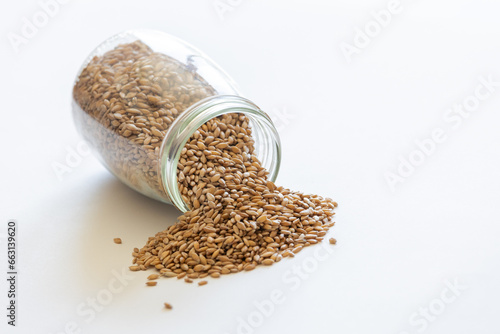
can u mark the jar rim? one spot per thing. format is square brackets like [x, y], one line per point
[263, 130]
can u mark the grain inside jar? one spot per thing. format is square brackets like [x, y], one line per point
[130, 96]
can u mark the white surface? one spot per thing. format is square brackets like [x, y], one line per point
[396, 251]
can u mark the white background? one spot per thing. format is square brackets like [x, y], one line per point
[344, 126]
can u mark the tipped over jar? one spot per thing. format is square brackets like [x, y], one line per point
[141, 95]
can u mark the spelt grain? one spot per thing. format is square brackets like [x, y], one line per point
[238, 218]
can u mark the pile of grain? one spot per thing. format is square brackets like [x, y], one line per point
[238, 219]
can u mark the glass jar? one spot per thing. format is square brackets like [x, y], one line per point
[142, 94]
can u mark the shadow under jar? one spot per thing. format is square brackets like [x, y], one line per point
[141, 95]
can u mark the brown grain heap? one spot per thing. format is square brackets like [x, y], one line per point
[238, 219]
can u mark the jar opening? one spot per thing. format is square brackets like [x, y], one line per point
[265, 135]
